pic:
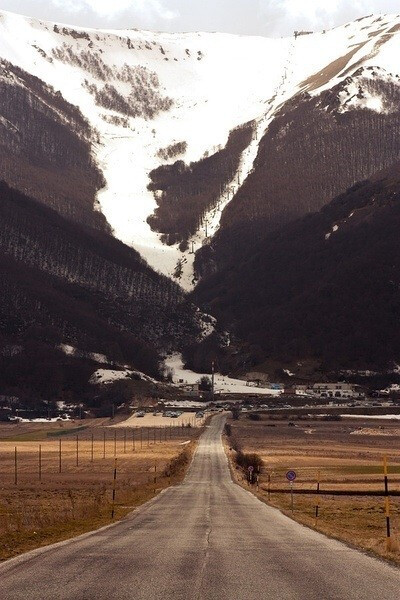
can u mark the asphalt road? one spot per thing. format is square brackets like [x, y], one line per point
[205, 539]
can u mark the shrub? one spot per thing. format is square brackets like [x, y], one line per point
[245, 461]
[205, 384]
[235, 414]
[254, 417]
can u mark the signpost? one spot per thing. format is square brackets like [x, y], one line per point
[291, 477]
[250, 470]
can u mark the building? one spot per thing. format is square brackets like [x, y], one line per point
[190, 389]
[300, 33]
[330, 390]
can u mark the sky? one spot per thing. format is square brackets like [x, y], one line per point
[249, 17]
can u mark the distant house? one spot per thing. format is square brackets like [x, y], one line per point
[190, 389]
[290, 391]
[300, 33]
[330, 390]
[256, 379]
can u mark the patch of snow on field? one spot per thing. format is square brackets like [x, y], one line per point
[104, 376]
[380, 417]
[222, 384]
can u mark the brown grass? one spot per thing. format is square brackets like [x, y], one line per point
[327, 73]
[37, 512]
[344, 461]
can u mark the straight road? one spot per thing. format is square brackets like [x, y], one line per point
[206, 539]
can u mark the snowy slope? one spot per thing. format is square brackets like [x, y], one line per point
[206, 83]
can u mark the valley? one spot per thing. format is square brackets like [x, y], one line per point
[197, 185]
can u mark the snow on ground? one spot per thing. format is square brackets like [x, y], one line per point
[380, 417]
[111, 375]
[43, 420]
[222, 384]
[216, 81]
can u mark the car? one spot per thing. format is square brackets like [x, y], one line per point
[140, 414]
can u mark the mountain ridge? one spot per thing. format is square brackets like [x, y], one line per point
[200, 73]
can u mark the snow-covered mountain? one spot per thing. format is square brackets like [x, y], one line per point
[155, 98]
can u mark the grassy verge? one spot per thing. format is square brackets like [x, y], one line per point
[356, 520]
[60, 507]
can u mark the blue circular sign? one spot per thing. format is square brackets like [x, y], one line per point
[291, 475]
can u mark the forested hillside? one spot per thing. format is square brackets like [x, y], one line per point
[46, 147]
[325, 287]
[64, 283]
[184, 193]
[314, 149]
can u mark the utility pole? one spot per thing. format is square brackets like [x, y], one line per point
[212, 379]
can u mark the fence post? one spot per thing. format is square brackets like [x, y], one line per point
[113, 491]
[104, 443]
[387, 504]
[115, 443]
[317, 499]
[92, 449]
[77, 450]
[40, 462]
[59, 456]
[291, 497]
[15, 465]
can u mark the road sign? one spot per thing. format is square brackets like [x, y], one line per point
[251, 469]
[291, 476]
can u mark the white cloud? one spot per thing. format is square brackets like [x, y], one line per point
[284, 14]
[147, 9]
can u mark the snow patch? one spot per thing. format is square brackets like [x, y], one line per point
[222, 384]
[105, 376]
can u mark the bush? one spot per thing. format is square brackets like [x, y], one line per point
[332, 418]
[245, 461]
[228, 429]
[235, 414]
[205, 384]
[254, 417]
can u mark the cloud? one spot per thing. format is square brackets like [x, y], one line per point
[149, 10]
[286, 14]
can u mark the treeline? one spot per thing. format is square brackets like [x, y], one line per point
[325, 287]
[144, 98]
[172, 150]
[45, 147]
[185, 193]
[142, 101]
[315, 148]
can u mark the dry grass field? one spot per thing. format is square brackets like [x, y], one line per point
[42, 501]
[347, 455]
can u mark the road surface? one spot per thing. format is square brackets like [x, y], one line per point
[205, 539]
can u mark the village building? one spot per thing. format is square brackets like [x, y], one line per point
[330, 390]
